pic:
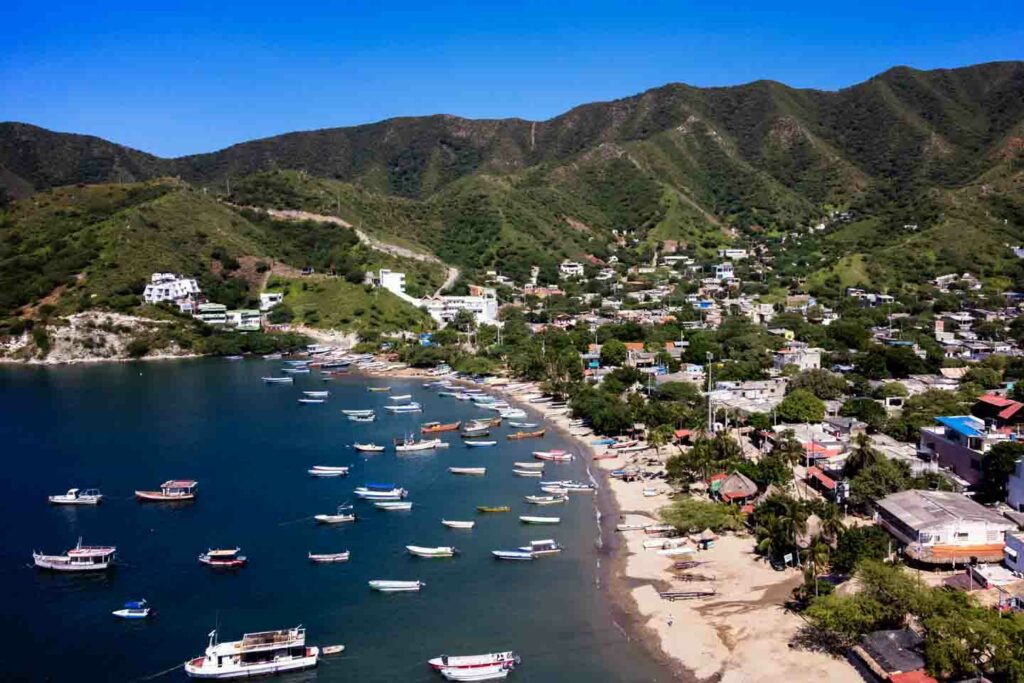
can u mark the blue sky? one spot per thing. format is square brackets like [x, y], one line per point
[186, 77]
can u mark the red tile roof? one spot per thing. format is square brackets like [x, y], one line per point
[918, 676]
[826, 481]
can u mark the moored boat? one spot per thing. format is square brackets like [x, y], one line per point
[296, 370]
[393, 505]
[545, 500]
[317, 394]
[405, 408]
[399, 397]
[439, 551]
[525, 435]
[478, 443]
[341, 515]
[473, 661]
[524, 425]
[542, 548]
[475, 433]
[378, 389]
[311, 401]
[367, 447]
[257, 654]
[408, 445]
[357, 413]
[386, 586]
[455, 524]
[381, 492]
[225, 558]
[362, 418]
[333, 649]
[328, 474]
[489, 673]
[527, 519]
[436, 427]
[278, 380]
[527, 473]
[81, 558]
[341, 470]
[495, 508]
[529, 465]
[133, 609]
[519, 555]
[77, 497]
[329, 558]
[553, 456]
[171, 491]
[474, 471]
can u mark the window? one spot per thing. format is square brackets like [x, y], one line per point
[961, 535]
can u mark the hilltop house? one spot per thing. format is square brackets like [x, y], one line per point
[570, 269]
[170, 287]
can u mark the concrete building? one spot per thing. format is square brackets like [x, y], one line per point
[959, 443]
[244, 319]
[942, 527]
[443, 309]
[270, 299]
[1015, 488]
[170, 287]
[570, 269]
[390, 280]
[802, 356]
[724, 271]
[733, 254]
[1013, 552]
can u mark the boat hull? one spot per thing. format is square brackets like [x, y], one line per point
[265, 669]
[159, 497]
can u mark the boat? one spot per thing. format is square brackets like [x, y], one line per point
[332, 649]
[408, 445]
[328, 558]
[133, 609]
[527, 473]
[171, 491]
[317, 394]
[329, 468]
[602, 442]
[233, 357]
[81, 558]
[405, 408]
[476, 471]
[553, 456]
[634, 526]
[396, 586]
[256, 654]
[571, 486]
[512, 555]
[296, 371]
[478, 443]
[358, 413]
[399, 397]
[227, 558]
[393, 505]
[311, 401]
[529, 465]
[542, 548]
[498, 508]
[440, 551]
[272, 356]
[526, 519]
[77, 497]
[367, 447]
[453, 524]
[341, 515]
[485, 422]
[514, 414]
[378, 388]
[545, 500]
[362, 418]
[516, 436]
[298, 363]
[381, 492]
[554, 489]
[675, 552]
[325, 474]
[473, 661]
[524, 425]
[489, 673]
[475, 433]
[436, 427]
[650, 492]
[278, 380]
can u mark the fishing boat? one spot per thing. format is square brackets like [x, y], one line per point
[325, 474]
[278, 380]
[381, 492]
[620, 445]
[528, 465]
[311, 401]
[329, 558]
[516, 436]
[553, 456]
[227, 558]
[497, 508]
[527, 519]
[399, 397]
[358, 413]
[542, 399]
[256, 654]
[634, 526]
[272, 356]
[362, 418]
[513, 414]
[489, 673]
[378, 388]
[570, 486]
[527, 473]
[297, 363]
[393, 505]
[77, 497]
[437, 427]
[519, 555]
[81, 558]
[296, 371]
[524, 425]
[545, 500]
[479, 443]
[133, 609]
[367, 447]
[485, 422]
[385, 586]
[341, 515]
[440, 551]
[317, 394]
[554, 489]
[405, 408]
[409, 444]
[475, 433]
[174, 490]
[542, 548]
[475, 471]
[332, 649]
[341, 470]
[454, 524]
[473, 661]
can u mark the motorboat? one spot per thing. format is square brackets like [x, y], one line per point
[553, 456]
[362, 418]
[174, 490]
[475, 433]
[278, 380]
[367, 447]
[316, 394]
[570, 486]
[554, 489]
[272, 356]
[77, 497]
[490, 673]
[357, 413]
[81, 558]
[133, 609]
[311, 401]
[341, 515]
[527, 473]
[381, 492]
[296, 371]
[528, 465]
[479, 443]
[675, 552]
[542, 548]
[474, 471]
[525, 435]
[545, 500]
[405, 408]
[513, 414]
[492, 509]
[408, 445]
[329, 558]
[236, 357]
[437, 427]
[454, 524]
[524, 425]
[332, 649]
[342, 471]
[393, 505]
[385, 586]
[473, 661]
[378, 389]
[227, 558]
[399, 397]
[527, 519]
[440, 551]
[520, 555]
[256, 654]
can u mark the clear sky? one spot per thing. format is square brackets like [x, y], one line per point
[175, 78]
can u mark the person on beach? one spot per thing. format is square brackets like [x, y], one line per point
[670, 621]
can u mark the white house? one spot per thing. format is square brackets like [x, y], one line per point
[443, 309]
[803, 357]
[270, 299]
[390, 280]
[1015, 488]
[724, 271]
[570, 269]
[734, 254]
[170, 287]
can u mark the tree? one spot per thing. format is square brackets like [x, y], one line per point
[987, 378]
[860, 543]
[867, 410]
[464, 321]
[822, 383]
[878, 480]
[706, 455]
[692, 514]
[613, 353]
[660, 436]
[801, 406]
[860, 456]
[999, 463]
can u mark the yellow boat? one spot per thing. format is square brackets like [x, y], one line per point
[501, 508]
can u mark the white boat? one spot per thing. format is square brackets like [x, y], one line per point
[224, 558]
[439, 551]
[542, 548]
[405, 408]
[393, 505]
[357, 413]
[81, 558]
[553, 456]
[325, 474]
[256, 654]
[554, 490]
[513, 414]
[570, 486]
[173, 491]
[476, 443]
[650, 493]
[525, 425]
[473, 661]
[77, 497]
[396, 586]
[328, 558]
[332, 649]
[311, 401]
[631, 526]
[380, 492]
[454, 524]
[272, 356]
[409, 445]
[474, 471]
[329, 468]
[545, 500]
[488, 673]
[400, 397]
[362, 418]
[296, 371]
[528, 465]
[278, 380]
[133, 609]
[367, 447]
[341, 515]
[518, 555]
[675, 552]
[527, 473]
[527, 519]
[317, 394]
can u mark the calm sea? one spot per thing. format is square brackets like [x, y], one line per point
[132, 426]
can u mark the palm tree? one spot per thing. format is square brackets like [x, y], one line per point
[660, 436]
[817, 558]
[831, 523]
[861, 456]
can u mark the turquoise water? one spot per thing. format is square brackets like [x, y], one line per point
[132, 426]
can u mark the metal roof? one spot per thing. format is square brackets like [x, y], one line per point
[925, 509]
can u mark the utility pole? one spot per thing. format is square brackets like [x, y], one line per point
[707, 371]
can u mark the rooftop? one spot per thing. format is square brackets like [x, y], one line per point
[925, 509]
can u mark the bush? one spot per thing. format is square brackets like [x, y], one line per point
[137, 348]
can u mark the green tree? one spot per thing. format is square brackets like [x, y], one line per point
[861, 455]
[688, 515]
[660, 436]
[860, 543]
[867, 410]
[822, 383]
[878, 480]
[996, 467]
[613, 353]
[801, 406]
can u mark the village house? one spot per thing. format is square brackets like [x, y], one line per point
[802, 356]
[570, 269]
[959, 443]
[1015, 488]
[270, 299]
[999, 411]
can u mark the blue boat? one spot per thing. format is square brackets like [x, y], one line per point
[134, 609]
[602, 442]
[373, 486]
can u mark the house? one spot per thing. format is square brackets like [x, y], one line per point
[733, 254]
[170, 287]
[212, 314]
[244, 319]
[959, 442]
[1015, 488]
[943, 527]
[724, 271]
[1013, 552]
[802, 356]
[998, 410]
[443, 309]
[896, 656]
[270, 299]
[570, 269]
[732, 488]
[390, 280]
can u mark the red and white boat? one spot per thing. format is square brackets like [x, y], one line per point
[171, 491]
[474, 661]
[554, 456]
[81, 558]
[225, 558]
